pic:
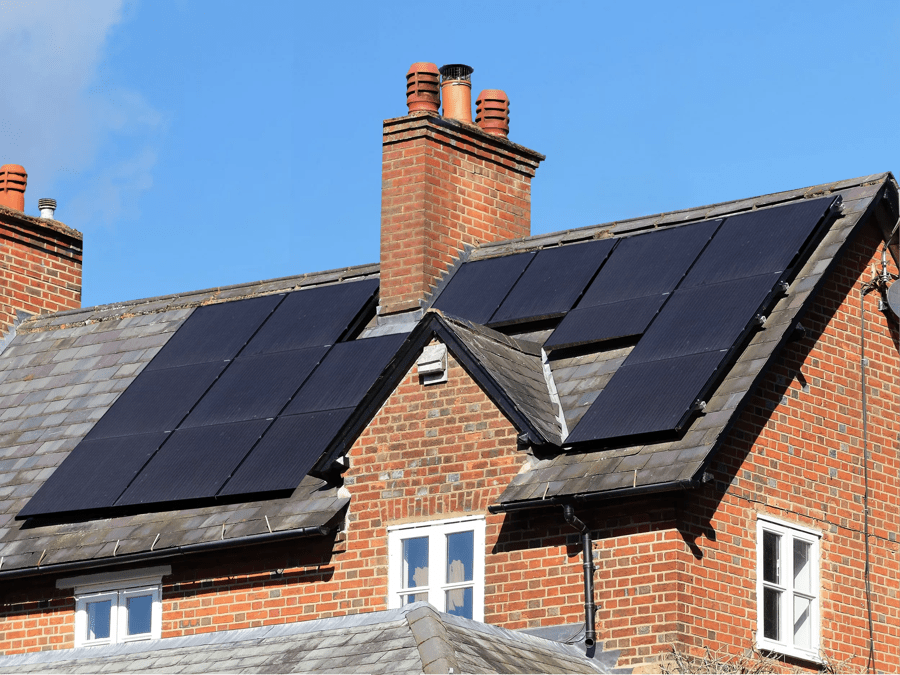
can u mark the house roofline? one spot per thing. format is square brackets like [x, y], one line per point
[640, 491]
[176, 551]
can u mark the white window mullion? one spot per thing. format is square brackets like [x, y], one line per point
[438, 562]
[786, 630]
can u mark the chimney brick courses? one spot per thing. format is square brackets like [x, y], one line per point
[445, 185]
[40, 259]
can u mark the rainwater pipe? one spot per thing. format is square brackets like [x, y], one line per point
[587, 550]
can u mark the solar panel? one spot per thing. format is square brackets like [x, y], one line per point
[758, 242]
[93, 475]
[157, 400]
[345, 375]
[477, 289]
[646, 398]
[585, 325]
[553, 281]
[649, 264]
[214, 332]
[313, 317]
[702, 319]
[254, 387]
[193, 463]
[287, 452]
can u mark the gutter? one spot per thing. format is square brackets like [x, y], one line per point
[597, 496]
[187, 549]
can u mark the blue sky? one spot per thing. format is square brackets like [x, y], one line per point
[199, 143]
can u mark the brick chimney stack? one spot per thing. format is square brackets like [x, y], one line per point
[445, 184]
[40, 259]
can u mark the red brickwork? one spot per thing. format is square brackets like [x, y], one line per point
[445, 185]
[35, 616]
[40, 266]
[675, 570]
[797, 455]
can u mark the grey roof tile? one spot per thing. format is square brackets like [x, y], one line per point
[680, 459]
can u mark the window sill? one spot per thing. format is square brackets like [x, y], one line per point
[779, 649]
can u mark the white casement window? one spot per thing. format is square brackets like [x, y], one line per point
[118, 606]
[787, 588]
[441, 562]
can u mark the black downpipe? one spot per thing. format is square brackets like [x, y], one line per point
[587, 551]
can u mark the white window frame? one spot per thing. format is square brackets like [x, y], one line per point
[117, 587]
[788, 533]
[437, 532]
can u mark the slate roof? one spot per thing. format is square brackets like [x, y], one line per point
[680, 463]
[518, 367]
[414, 639]
[61, 372]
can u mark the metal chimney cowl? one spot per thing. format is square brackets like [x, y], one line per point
[47, 207]
[456, 91]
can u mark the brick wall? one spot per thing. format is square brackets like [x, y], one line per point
[40, 266]
[445, 185]
[431, 452]
[797, 455]
[673, 570]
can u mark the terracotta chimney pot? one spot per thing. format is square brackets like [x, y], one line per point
[13, 180]
[423, 90]
[456, 91]
[492, 112]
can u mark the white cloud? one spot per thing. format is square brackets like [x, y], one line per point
[114, 191]
[56, 113]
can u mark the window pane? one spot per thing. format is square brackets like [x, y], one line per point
[459, 602]
[460, 547]
[415, 597]
[802, 567]
[140, 608]
[415, 562]
[802, 622]
[771, 567]
[98, 619]
[771, 613]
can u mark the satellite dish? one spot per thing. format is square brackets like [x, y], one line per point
[893, 298]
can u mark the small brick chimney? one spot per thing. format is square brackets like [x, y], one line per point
[445, 184]
[40, 259]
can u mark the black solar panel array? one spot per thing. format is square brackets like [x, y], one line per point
[701, 325]
[595, 323]
[478, 288]
[553, 282]
[195, 414]
[215, 333]
[193, 463]
[633, 285]
[96, 473]
[247, 395]
[287, 452]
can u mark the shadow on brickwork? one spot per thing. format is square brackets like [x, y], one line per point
[263, 567]
[773, 388]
